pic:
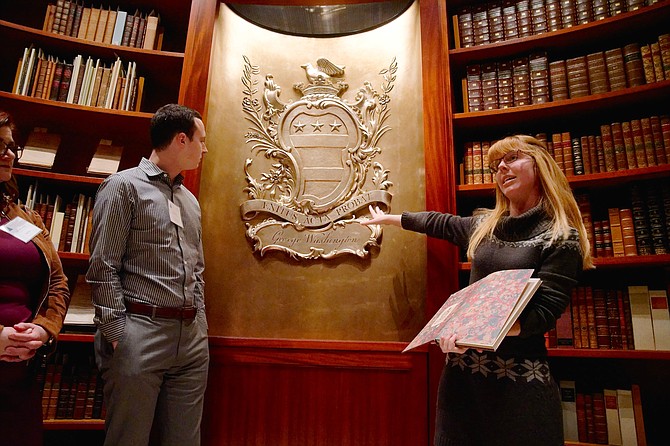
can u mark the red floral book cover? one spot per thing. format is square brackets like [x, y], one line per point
[483, 312]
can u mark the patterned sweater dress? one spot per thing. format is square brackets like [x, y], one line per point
[507, 397]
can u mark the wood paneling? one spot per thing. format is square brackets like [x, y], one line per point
[194, 77]
[292, 392]
[442, 277]
[279, 392]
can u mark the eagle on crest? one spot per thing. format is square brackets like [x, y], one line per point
[324, 70]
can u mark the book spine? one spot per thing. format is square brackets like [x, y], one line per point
[475, 100]
[600, 315]
[647, 64]
[613, 319]
[599, 418]
[633, 65]
[619, 146]
[608, 147]
[539, 78]
[616, 71]
[521, 81]
[628, 232]
[593, 154]
[615, 230]
[657, 137]
[657, 60]
[577, 157]
[629, 145]
[597, 73]
[638, 143]
[64, 87]
[607, 239]
[490, 86]
[648, 138]
[55, 85]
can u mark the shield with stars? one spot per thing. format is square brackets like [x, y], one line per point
[319, 136]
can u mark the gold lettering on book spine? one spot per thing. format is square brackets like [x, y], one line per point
[314, 167]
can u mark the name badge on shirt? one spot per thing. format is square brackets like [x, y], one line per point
[21, 229]
[175, 214]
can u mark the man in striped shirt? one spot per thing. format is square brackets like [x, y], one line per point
[146, 273]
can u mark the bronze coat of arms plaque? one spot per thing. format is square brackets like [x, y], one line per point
[314, 167]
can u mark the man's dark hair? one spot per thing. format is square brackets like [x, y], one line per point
[169, 121]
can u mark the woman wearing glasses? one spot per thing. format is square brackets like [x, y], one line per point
[33, 301]
[509, 397]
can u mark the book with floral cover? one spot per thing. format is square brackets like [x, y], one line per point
[483, 312]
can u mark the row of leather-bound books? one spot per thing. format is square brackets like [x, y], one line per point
[497, 21]
[611, 70]
[619, 146]
[627, 317]
[82, 81]
[114, 27]
[71, 387]
[610, 415]
[68, 220]
[638, 225]
[534, 79]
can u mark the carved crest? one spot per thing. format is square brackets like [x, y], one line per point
[317, 168]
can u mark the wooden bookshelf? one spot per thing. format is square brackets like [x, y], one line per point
[77, 179]
[609, 263]
[649, 17]
[567, 110]
[579, 116]
[75, 337]
[595, 180]
[608, 354]
[74, 424]
[176, 73]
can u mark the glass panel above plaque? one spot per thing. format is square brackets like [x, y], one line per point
[322, 21]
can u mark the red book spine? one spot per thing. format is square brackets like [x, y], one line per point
[602, 325]
[581, 418]
[613, 320]
[657, 136]
[576, 327]
[648, 138]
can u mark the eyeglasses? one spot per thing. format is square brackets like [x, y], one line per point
[18, 151]
[509, 158]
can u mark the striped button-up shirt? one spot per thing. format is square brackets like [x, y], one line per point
[137, 252]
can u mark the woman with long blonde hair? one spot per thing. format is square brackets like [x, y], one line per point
[508, 397]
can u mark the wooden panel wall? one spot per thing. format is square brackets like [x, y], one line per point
[441, 274]
[329, 393]
[276, 392]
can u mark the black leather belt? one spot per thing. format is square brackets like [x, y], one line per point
[179, 313]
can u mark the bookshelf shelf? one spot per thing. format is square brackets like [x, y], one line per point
[609, 354]
[609, 263]
[176, 73]
[602, 31]
[71, 110]
[75, 337]
[72, 179]
[81, 128]
[66, 424]
[598, 180]
[39, 37]
[74, 261]
[566, 110]
[162, 69]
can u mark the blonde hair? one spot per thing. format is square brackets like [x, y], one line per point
[557, 198]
